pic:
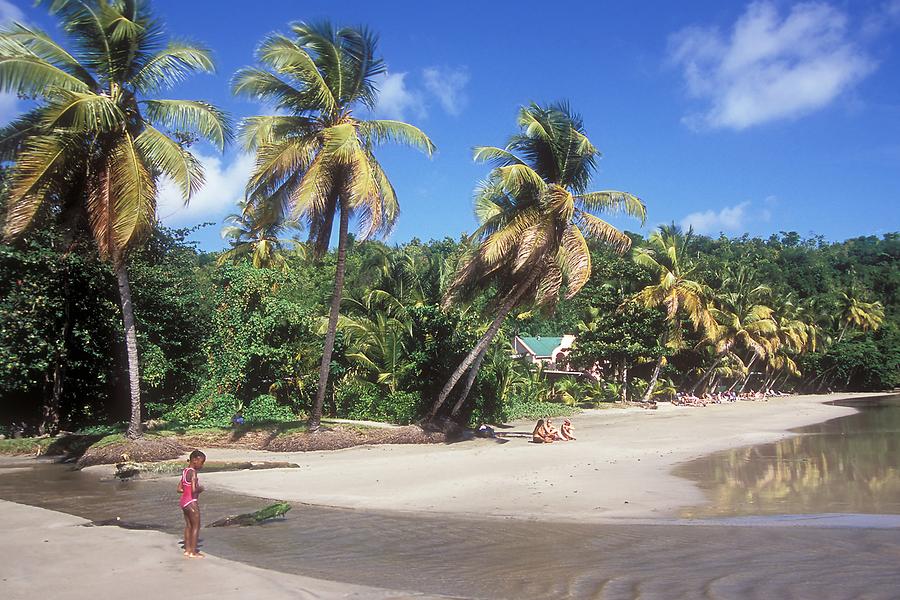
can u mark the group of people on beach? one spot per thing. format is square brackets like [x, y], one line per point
[545, 433]
[688, 399]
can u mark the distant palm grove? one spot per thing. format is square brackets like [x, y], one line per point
[107, 316]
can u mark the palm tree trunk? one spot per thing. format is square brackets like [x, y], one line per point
[707, 373]
[470, 380]
[134, 381]
[482, 345]
[653, 379]
[315, 416]
[749, 373]
[624, 392]
[843, 331]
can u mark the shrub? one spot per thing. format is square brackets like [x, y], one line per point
[363, 401]
[206, 408]
[266, 409]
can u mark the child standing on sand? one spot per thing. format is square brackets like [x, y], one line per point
[189, 487]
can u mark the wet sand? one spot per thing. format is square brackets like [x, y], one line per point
[47, 554]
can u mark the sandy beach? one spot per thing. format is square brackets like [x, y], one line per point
[617, 472]
[618, 467]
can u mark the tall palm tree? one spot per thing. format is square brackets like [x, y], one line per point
[317, 158]
[535, 212]
[257, 231]
[666, 256]
[95, 146]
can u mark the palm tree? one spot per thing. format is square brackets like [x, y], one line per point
[316, 158]
[94, 147]
[378, 331]
[535, 212]
[665, 255]
[741, 324]
[257, 231]
[857, 313]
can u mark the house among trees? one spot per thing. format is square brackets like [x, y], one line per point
[545, 350]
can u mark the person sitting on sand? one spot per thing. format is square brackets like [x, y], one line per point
[566, 430]
[552, 431]
[540, 434]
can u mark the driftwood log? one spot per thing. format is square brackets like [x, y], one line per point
[279, 509]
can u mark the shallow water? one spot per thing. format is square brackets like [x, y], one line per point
[845, 465]
[747, 557]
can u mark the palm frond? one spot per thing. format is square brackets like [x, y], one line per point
[383, 130]
[33, 76]
[496, 156]
[258, 131]
[34, 176]
[602, 231]
[613, 202]
[191, 115]
[285, 56]
[83, 112]
[172, 65]
[165, 155]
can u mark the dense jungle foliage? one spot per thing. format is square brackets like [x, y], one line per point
[220, 339]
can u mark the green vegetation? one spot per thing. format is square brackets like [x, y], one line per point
[107, 317]
[94, 148]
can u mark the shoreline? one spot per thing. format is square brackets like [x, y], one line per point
[637, 448]
[91, 561]
[619, 468]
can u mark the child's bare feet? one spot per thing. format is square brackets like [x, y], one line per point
[196, 555]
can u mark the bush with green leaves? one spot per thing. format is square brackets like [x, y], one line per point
[266, 409]
[364, 401]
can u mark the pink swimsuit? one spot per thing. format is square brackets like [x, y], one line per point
[188, 487]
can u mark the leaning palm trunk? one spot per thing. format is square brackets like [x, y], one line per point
[707, 373]
[134, 381]
[653, 379]
[316, 416]
[749, 374]
[470, 380]
[479, 348]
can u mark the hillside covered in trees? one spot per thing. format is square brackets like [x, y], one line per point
[217, 337]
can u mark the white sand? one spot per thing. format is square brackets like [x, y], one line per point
[619, 466]
[47, 554]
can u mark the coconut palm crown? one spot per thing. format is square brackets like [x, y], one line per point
[94, 146]
[94, 142]
[535, 216]
[317, 157]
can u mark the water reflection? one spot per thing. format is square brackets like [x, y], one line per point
[847, 465]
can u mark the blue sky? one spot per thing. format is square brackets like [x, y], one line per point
[730, 116]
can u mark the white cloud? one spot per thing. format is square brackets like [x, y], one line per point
[730, 218]
[224, 187]
[10, 12]
[448, 86]
[396, 100]
[770, 67]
